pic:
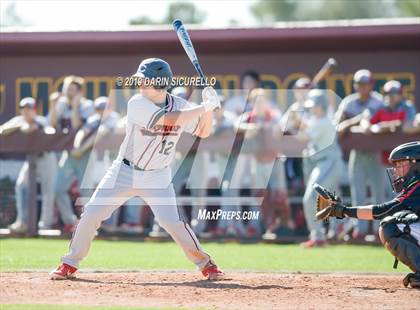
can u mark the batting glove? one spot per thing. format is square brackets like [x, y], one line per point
[210, 99]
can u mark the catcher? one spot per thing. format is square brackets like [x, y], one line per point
[400, 225]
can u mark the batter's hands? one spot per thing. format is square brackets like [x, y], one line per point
[210, 99]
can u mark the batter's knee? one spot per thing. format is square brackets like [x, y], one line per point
[170, 225]
[94, 214]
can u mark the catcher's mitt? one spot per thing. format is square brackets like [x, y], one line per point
[327, 204]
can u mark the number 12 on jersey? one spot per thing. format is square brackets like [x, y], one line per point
[166, 147]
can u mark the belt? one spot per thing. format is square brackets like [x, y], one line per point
[132, 165]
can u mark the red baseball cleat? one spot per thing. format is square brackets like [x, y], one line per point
[63, 272]
[313, 244]
[212, 272]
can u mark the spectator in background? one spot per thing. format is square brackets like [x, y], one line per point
[270, 177]
[261, 117]
[224, 127]
[364, 167]
[52, 103]
[237, 163]
[416, 124]
[73, 164]
[398, 114]
[29, 122]
[291, 120]
[238, 104]
[290, 125]
[325, 155]
[70, 110]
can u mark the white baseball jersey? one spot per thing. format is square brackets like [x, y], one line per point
[146, 144]
[352, 106]
[39, 120]
[323, 141]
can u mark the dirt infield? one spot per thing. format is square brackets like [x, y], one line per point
[184, 289]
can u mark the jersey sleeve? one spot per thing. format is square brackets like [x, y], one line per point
[376, 118]
[86, 109]
[15, 121]
[318, 129]
[342, 108]
[408, 200]
[411, 112]
[112, 121]
[143, 113]
[92, 124]
[380, 211]
[411, 197]
[192, 126]
[41, 121]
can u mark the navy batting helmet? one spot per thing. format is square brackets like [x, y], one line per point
[154, 68]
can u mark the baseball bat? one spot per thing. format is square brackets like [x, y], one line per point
[325, 70]
[186, 42]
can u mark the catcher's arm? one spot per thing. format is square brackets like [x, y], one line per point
[330, 205]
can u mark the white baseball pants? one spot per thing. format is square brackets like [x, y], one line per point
[121, 183]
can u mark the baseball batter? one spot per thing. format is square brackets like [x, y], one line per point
[155, 121]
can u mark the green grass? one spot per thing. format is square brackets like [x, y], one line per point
[24, 254]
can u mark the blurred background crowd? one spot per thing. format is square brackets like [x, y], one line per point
[284, 183]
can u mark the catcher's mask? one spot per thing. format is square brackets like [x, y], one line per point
[405, 162]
